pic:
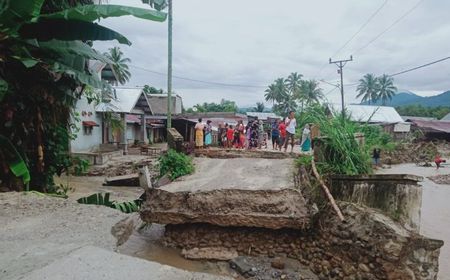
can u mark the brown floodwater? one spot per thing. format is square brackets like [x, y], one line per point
[435, 221]
[147, 245]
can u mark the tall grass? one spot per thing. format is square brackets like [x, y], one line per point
[339, 151]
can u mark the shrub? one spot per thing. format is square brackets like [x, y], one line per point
[175, 164]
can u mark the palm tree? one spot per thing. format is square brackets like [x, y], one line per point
[120, 66]
[259, 107]
[294, 83]
[281, 92]
[311, 91]
[270, 93]
[368, 88]
[386, 89]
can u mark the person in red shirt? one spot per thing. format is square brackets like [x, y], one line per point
[230, 136]
[438, 160]
[282, 128]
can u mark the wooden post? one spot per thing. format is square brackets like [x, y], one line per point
[327, 192]
[144, 178]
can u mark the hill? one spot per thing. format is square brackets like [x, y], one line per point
[408, 98]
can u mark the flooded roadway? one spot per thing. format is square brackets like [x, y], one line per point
[435, 222]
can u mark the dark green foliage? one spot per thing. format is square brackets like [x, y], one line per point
[303, 161]
[223, 106]
[421, 111]
[175, 164]
[80, 166]
[103, 199]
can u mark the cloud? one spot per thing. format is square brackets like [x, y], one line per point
[253, 42]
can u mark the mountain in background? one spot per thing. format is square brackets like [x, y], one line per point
[408, 98]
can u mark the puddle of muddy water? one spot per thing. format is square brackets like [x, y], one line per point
[435, 220]
[147, 245]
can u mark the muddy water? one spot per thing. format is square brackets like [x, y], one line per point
[435, 222]
[147, 245]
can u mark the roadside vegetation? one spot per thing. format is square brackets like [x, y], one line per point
[45, 48]
[174, 164]
[340, 151]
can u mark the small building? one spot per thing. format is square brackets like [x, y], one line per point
[157, 122]
[267, 118]
[431, 130]
[446, 117]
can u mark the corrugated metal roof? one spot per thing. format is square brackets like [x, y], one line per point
[158, 102]
[405, 118]
[263, 116]
[126, 100]
[371, 114]
[433, 126]
[446, 117]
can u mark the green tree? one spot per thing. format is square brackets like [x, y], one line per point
[223, 106]
[270, 93]
[152, 90]
[312, 93]
[385, 88]
[119, 65]
[43, 71]
[368, 88]
[259, 107]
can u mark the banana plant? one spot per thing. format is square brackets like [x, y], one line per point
[34, 38]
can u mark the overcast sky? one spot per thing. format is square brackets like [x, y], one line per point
[253, 42]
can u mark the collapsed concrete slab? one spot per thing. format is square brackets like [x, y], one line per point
[272, 209]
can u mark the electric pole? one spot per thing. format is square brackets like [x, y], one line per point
[341, 64]
[169, 68]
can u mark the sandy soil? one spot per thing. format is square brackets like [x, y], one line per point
[435, 222]
[38, 230]
[238, 173]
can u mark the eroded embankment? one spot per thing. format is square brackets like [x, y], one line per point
[368, 246]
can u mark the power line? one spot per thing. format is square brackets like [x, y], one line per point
[354, 35]
[389, 27]
[196, 80]
[418, 67]
[361, 28]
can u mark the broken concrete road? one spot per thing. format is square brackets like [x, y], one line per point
[272, 209]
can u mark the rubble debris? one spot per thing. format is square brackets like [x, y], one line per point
[123, 180]
[210, 253]
[440, 179]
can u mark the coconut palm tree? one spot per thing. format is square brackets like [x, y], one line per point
[281, 91]
[294, 83]
[120, 64]
[368, 88]
[386, 89]
[270, 93]
[259, 107]
[312, 93]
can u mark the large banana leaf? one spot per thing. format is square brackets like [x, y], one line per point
[63, 48]
[103, 199]
[15, 162]
[94, 12]
[3, 88]
[13, 11]
[80, 76]
[70, 31]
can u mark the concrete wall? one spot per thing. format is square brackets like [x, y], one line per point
[398, 196]
[83, 142]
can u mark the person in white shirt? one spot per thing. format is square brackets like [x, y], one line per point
[291, 123]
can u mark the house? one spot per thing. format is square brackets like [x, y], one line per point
[185, 123]
[386, 117]
[265, 117]
[132, 105]
[157, 122]
[431, 130]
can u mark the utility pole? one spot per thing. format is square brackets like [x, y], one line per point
[169, 68]
[341, 64]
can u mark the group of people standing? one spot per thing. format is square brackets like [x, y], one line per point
[253, 135]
